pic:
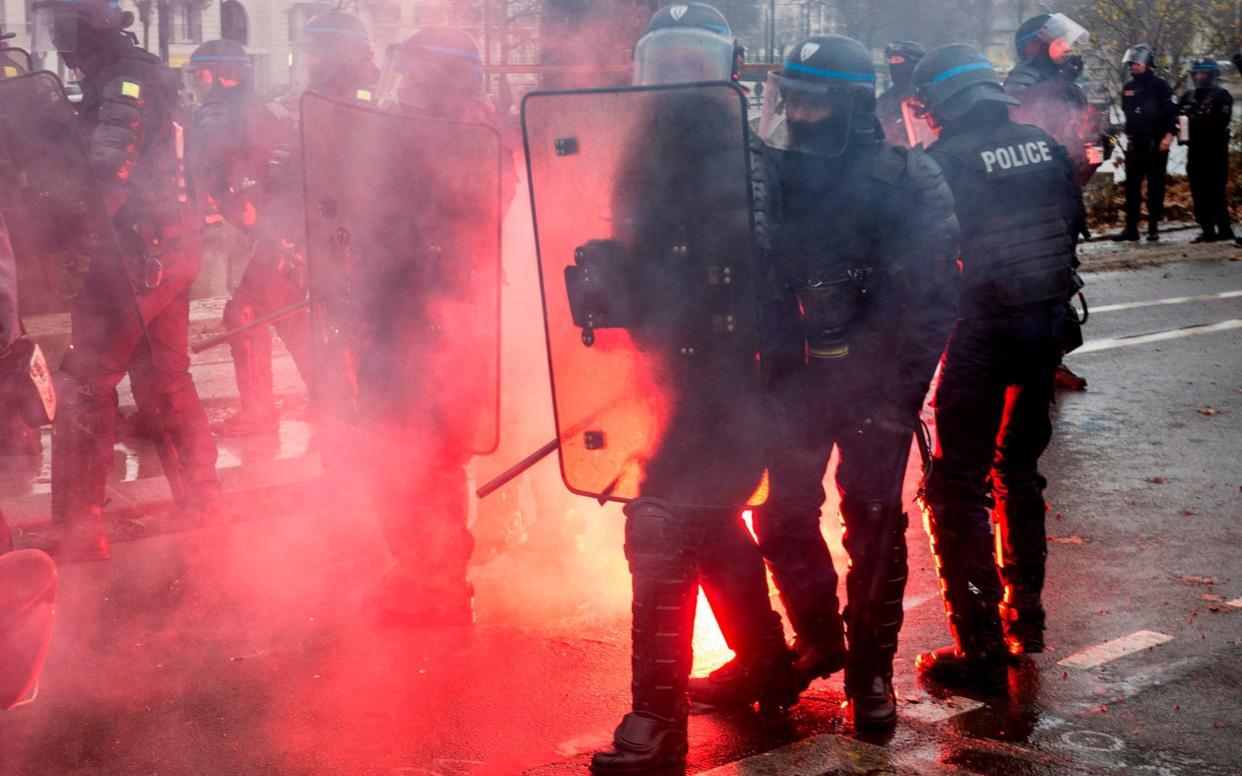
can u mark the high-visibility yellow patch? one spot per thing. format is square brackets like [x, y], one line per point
[364, 95]
[10, 71]
[131, 89]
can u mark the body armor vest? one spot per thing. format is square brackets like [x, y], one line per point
[1014, 197]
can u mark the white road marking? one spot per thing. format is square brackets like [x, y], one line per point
[1108, 308]
[1100, 654]
[933, 710]
[1144, 339]
[1235, 603]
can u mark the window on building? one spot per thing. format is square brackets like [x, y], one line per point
[234, 24]
[187, 22]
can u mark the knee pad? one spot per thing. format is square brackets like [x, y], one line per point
[655, 537]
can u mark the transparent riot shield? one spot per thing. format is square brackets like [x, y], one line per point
[61, 233]
[403, 255]
[644, 226]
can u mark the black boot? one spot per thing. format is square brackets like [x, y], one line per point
[659, 547]
[807, 581]
[1129, 234]
[1208, 236]
[1024, 625]
[767, 678]
[873, 704]
[1153, 233]
[1020, 516]
[875, 537]
[972, 594]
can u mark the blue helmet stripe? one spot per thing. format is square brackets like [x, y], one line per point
[834, 74]
[338, 31]
[219, 58]
[967, 68]
[451, 52]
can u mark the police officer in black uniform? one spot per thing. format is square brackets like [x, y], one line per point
[1208, 108]
[336, 60]
[131, 123]
[867, 293]
[1019, 208]
[714, 446]
[893, 107]
[1151, 120]
[1045, 84]
[236, 138]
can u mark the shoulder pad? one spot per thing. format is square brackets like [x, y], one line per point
[889, 164]
[1022, 77]
[922, 170]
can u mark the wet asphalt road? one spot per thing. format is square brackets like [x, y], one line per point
[247, 648]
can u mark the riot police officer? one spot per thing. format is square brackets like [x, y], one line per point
[334, 58]
[713, 447]
[1019, 208]
[236, 138]
[422, 500]
[865, 258]
[1151, 119]
[133, 132]
[893, 107]
[1208, 108]
[1045, 84]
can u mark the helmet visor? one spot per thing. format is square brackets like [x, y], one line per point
[805, 116]
[1062, 35]
[682, 55]
[425, 77]
[1137, 54]
[55, 29]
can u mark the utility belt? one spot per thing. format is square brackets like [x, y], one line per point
[158, 239]
[828, 304]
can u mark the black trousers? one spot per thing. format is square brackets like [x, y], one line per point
[992, 424]
[1145, 162]
[1207, 167]
[821, 407]
[682, 532]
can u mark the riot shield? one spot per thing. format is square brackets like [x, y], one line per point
[62, 236]
[14, 62]
[403, 256]
[644, 228]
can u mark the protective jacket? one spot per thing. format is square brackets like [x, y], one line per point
[134, 133]
[1149, 105]
[235, 140]
[868, 238]
[1019, 210]
[1054, 103]
[1209, 110]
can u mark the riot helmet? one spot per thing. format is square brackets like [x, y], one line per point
[951, 80]
[903, 56]
[685, 43]
[433, 70]
[218, 65]
[1054, 35]
[66, 26]
[333, 45]
[1205, 71]
[822, 97]
[1139, 54]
